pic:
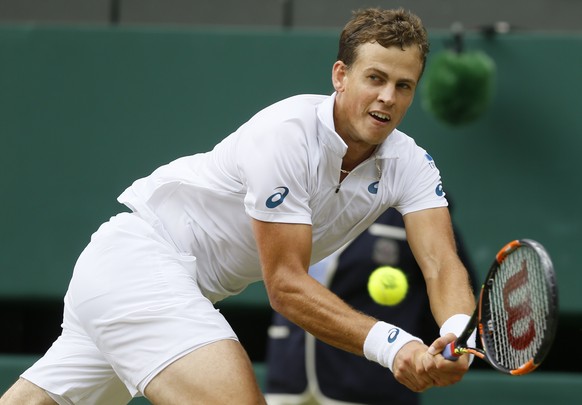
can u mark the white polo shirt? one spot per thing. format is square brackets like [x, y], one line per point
[283, 165]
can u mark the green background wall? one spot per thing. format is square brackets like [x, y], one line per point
[85, 111]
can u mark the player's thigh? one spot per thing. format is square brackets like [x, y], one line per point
[217, 373]
[25, 392]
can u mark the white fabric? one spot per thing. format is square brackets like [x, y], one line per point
[143, 311]
[456, 325]
[203, 202]
[384, 341]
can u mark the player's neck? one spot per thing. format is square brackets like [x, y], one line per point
[356, 155]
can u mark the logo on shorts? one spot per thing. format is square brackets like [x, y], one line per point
[439, 190]
[277, 199]
[393, 334]
[373, 187]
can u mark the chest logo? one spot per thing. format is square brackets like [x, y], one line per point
[373, 187]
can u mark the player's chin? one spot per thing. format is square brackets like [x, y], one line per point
[380, 130]
[378, 136]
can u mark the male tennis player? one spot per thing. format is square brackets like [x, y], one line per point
[293, 184]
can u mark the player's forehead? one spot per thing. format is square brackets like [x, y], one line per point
[373, 57]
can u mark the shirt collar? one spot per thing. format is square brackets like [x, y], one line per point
[389, 148]
[326, 127]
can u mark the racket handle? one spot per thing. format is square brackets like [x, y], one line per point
[449, 352]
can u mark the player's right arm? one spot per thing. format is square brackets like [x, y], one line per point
[285, 250]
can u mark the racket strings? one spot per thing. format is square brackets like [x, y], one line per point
[519, 309]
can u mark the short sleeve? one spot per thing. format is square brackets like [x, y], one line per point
[275, 166]
[422, 188]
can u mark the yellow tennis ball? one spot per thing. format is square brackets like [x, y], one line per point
[387, 285]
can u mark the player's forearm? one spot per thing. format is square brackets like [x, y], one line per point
[430, 236]
[285, 250]
[450, 292]
[320, 312]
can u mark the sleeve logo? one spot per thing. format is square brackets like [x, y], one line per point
[430, 161]
[277, 199]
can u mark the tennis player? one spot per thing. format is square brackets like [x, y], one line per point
[296, 182]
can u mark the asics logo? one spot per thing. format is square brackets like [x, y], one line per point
[277, 199]
[373, 187]
[430, 160]
[393, 334]
[439, 190]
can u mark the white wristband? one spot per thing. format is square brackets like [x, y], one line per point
[384, 341]
[455, 325]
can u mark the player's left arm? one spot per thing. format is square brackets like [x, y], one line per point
[431, 239]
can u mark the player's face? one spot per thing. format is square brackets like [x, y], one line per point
[374, 93]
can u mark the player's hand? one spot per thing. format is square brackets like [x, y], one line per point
[419, 367]
[442, 371]
[408, 367]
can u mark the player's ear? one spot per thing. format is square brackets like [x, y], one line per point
[339, 75]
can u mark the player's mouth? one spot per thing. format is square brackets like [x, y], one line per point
[378, 116]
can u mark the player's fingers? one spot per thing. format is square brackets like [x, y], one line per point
[415, 384]
[439, 344]
[448, 372]
[413, 377]
[429, 363]
[432, 370]
[444, 372]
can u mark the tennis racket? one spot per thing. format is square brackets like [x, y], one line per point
[517, 311]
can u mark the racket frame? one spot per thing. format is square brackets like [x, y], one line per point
[459, 347]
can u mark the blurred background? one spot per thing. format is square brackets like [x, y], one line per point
[97, 93]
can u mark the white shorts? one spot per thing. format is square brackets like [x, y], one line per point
[133, 307]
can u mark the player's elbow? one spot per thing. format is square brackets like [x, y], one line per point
[283, 292]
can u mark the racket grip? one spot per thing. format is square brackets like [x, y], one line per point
[449, 352]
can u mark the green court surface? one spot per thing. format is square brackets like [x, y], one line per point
[488, 387]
